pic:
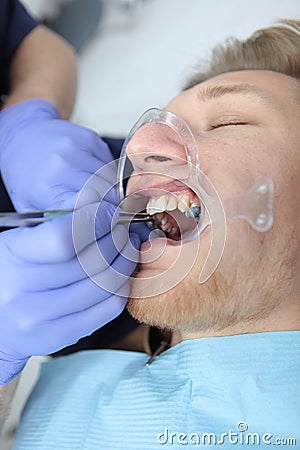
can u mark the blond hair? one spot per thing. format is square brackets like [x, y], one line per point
[275, 48]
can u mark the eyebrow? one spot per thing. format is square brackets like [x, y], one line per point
[206, 93]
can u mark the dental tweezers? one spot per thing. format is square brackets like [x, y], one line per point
[31, 218]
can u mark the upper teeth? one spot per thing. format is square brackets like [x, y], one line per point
[169, 203]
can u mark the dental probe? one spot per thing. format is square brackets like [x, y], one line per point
[31, 218]
[125, 217]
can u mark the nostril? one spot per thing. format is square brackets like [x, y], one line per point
[158, 158]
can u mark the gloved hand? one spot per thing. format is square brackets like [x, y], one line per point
[52, 293]
[45, 161]
[47, 300]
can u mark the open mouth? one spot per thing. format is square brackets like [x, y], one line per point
[175, 215]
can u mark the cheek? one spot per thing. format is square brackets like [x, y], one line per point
[244, 251]
[233, 163]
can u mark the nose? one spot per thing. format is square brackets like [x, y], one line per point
[155, 147]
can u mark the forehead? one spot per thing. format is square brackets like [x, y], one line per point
[279, 90]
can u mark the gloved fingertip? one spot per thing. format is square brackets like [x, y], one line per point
[135, 240]
[104, 218]
[141, 230]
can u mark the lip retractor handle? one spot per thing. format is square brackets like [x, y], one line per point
[256, 206]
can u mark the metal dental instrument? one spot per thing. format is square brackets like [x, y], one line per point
[31, 218]
[126, 217]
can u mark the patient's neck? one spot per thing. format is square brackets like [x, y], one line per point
[284, 318]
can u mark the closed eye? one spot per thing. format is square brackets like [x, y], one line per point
[227, 124]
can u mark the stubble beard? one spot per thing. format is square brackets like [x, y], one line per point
[234, 295]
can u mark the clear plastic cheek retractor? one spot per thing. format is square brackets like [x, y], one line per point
[160, 182]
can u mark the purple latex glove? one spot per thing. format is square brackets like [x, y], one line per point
[45, 161]
[47, 300]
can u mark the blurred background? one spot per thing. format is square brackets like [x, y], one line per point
[136, 54]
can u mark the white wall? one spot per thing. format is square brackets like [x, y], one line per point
[138, 61]
[125, 71]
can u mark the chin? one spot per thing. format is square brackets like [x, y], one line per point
[188, 306]
[238, 292]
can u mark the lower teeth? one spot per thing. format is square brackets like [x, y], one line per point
[164, 224]
[168, 225]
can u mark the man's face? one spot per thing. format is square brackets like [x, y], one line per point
[247, 125]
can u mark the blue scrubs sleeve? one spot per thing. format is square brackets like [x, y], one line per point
[15, 24]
